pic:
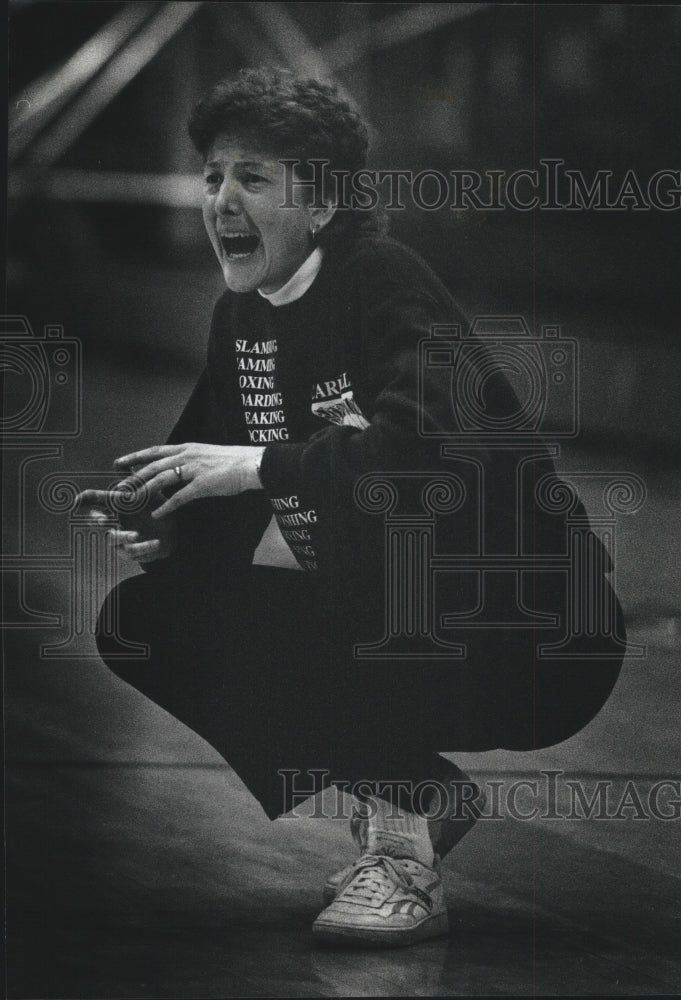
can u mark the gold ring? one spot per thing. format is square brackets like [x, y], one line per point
[178, 472]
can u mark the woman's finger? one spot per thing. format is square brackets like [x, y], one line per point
[122, 538]
[154, 488]
[148, 473]
[98, 500]
[148, 455]
[101, 505]
[99, 516]
[86, 497]
[144, 551]
[144, 473]
[176, 501]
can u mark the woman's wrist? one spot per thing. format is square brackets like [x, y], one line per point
[253, 463]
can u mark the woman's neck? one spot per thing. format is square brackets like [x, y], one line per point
[298, 283]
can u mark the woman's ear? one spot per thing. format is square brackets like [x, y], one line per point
[320, 217]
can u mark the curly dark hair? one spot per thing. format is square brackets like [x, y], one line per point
[295, 118]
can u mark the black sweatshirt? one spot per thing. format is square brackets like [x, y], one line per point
[334, 386]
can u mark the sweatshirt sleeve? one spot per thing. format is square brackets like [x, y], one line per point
[196, 421]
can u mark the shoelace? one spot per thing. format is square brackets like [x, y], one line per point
[372, 874]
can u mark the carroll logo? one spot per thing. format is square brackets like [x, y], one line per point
[335, 401]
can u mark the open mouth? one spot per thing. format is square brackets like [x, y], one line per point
[239, 245]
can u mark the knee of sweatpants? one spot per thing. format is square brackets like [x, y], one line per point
[123, 621]
[585, 686]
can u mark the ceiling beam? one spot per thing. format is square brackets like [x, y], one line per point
[395, 29]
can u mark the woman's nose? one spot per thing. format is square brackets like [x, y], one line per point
[228, 201]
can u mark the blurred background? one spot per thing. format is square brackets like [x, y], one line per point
[126, 833]
[104, 232]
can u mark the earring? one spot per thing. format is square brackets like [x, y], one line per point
[313, 232]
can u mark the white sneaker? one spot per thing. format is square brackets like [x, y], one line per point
[333, 883]
[385, 901]
[445, 831]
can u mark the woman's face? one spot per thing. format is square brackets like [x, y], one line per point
[258, 244]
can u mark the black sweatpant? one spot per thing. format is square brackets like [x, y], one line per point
[256, 665]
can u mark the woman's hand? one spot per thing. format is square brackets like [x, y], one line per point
[144, 540]
[199, 470]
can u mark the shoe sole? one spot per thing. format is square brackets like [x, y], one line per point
[342, 934]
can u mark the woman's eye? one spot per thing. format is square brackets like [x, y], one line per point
[251, 178]
[212, 179]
